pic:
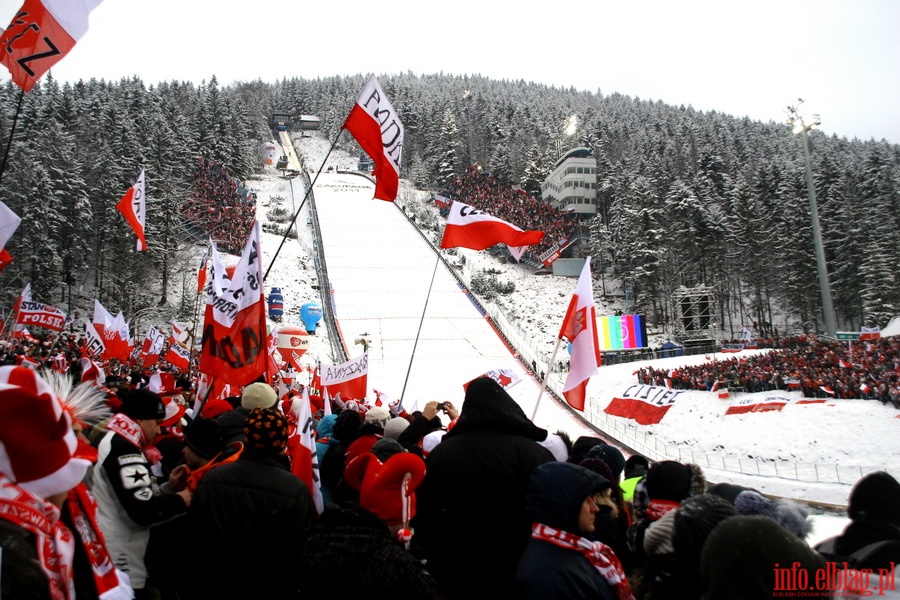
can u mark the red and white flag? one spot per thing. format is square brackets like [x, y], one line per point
[740, 406]
[9, 222]
[40, 315]
[152, 346]
[646, 404]
[91, 371]
[827, 390]
[580, 329]
[844, 364]
[234, 345]
[40, 35]
[505, 377]
[349, 379]
[302, 448]
[94, 345]
[468, 227]
[178, 356]
[102, 319]
[133, 207]
[374, 124]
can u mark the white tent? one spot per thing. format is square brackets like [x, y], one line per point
[892, 328]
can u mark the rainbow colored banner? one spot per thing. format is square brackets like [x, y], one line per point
[622, 332]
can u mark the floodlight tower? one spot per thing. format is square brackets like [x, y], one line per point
[800, 126]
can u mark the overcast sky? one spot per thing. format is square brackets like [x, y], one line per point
[749, 58]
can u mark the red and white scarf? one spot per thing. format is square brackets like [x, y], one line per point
[55, 543]
[657, 509]
[601, 556]
[132, 432]
[82, 508]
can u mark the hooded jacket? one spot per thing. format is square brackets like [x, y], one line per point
[471, 519]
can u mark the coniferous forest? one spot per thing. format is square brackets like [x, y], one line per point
[686, 197]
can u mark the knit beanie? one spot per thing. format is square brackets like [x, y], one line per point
[204, 438]
[142, 404]
[266, 430]
[875, 496]
[378, 415]
[387, 489]
[385, 448]
[792, 516]
[598, 466]
[694, 520]
[395, 427]
[258, 395]
[612, 456]
[37, 444]
[673, 481]
[580, 447]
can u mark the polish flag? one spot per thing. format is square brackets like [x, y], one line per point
[302, 448]
[864, 388]
[5, 259]
[133, 207]
[580, 329]
[152, 346]
[468, 227]
[102, 319]
[348, 379]
[9, 222]
[91, 371]
[827, 390]
[844, 364]
[40, 35]
[178, 356]
[234, 326]
[750, 404]
[645, 404]
[378, 130]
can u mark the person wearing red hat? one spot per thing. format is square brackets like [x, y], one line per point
[353, 540]
[129, 501]
[39, 464]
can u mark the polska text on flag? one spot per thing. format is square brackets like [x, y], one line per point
[374, 124]
[468, 227]
[40, 35]
[646, 404]
[133, 207]
[580, 329]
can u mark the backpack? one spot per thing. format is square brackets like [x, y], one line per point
[857, 560]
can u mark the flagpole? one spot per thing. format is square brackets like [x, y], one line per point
[416, 343]
[544, 380]
[305, 196]
[12, 131]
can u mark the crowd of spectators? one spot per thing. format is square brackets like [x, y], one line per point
[513, 205]
[219, 207]
[868, 370]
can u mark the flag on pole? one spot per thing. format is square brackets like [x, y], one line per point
[152, 347]
[580, 328]
[234, 327]
[40, 35]
[304, 458]
[9, 222]
[133, 207]
[468, 227]
[374, 124]
[348, 379]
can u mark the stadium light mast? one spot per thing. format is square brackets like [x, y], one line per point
[800, 126]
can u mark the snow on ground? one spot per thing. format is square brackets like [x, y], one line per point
[811, 452]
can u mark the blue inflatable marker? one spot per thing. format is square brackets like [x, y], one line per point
[311, 314]
[276, 304]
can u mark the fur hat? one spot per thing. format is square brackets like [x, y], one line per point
[37, 444]
[395, 427]
[140, 404]
[875, 496]
[378, 415]
[612, 456]
[674, 481]
[258, 395]
[792, 516]
[387, 489]
[557, 446]
[266, 430]
[204, 437]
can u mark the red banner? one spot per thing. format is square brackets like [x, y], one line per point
[41, 315]
[646, 404]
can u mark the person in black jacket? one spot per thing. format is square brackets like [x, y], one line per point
[471, 521]
[248, 520]
[560, 561]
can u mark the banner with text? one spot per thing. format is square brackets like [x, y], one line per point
[646, 404]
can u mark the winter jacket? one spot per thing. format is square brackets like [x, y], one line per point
[547, 571]
[470, 519]
[351, 554]
[245, 529]
[128, 503]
